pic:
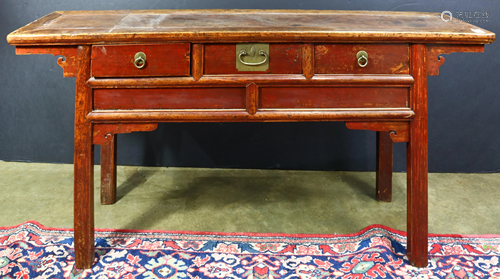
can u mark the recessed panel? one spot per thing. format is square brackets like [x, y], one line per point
[170, 98]
[333, 97]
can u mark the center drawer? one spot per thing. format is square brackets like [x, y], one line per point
[220, 59]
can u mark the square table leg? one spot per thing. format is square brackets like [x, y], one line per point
[108, 171]
[417, 162]
[84, 166]
[384, 167]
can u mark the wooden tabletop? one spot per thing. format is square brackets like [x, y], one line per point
[91, 27]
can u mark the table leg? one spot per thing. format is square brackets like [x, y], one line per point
[417, 161]
[384, 167]
[84, 166]
[108, 171]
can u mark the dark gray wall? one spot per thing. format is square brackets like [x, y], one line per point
[36, 105]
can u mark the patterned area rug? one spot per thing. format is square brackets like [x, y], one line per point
[31, 250]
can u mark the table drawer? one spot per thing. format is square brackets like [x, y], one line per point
[283, 59]
[333, 97]
[161, 60]
[170, 98]
[341, 59]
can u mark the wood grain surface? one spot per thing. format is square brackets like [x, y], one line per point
[108, 170]
[417, 163]
[83, 165]
[91, 27]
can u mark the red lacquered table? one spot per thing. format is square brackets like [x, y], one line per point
[135, 69]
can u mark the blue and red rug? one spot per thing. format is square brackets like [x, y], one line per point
[31, 250]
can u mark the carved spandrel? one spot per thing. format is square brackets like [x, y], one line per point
[399, 131]
[434, 60]
[68, 63]
[103, 132]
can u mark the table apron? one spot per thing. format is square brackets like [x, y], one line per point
[240, 115]
[381, 80]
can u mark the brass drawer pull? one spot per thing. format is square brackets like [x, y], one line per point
[362, 58]
[140, 60]
[243, 52]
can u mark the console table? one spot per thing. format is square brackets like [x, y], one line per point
[134, 69]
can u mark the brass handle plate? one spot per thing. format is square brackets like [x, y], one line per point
[362, 57]
[243, 52]
[140, 60]
[252, 57]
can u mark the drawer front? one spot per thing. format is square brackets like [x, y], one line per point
[170, 98]
[220, 59]
[333, 97]
[341, 59]
[161, 60]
